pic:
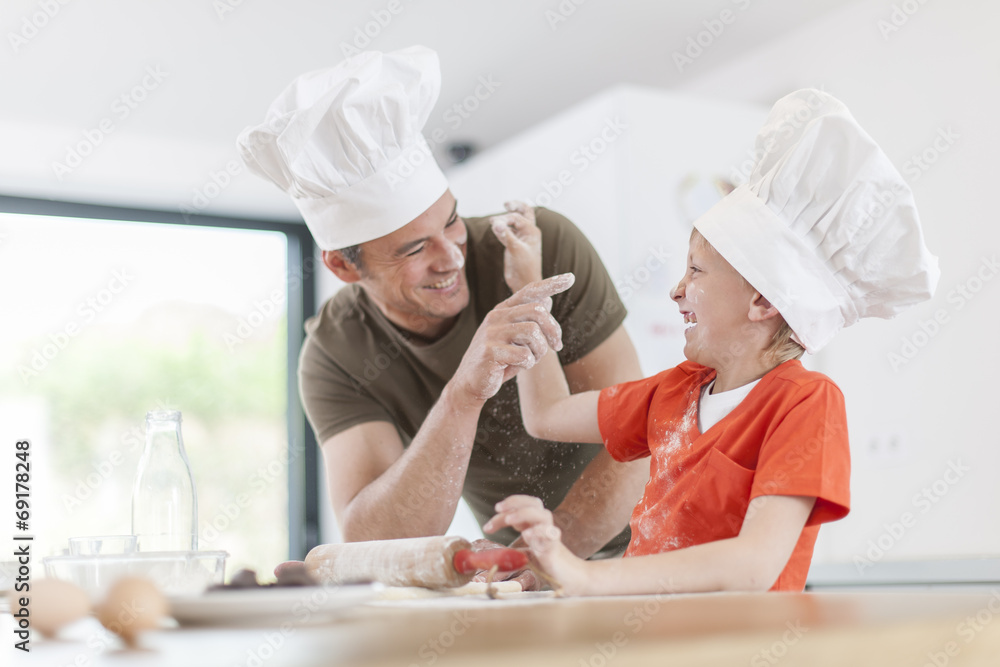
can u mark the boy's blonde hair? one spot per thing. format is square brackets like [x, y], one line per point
[782, 347]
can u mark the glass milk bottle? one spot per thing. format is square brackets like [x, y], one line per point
[164, 499]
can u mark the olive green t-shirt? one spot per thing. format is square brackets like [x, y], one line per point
[357, 367]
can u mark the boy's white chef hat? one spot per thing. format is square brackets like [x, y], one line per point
[825, 227]
[346, 144]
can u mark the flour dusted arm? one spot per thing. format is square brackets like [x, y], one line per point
[751, 561]
[549, 411]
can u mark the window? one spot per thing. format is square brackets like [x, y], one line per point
[110, 313]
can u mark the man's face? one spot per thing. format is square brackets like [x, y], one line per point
[715, 302]
[416, 275]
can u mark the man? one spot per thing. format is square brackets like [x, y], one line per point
[403, 373]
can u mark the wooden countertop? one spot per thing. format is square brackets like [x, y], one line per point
[814, 629]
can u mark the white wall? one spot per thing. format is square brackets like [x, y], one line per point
[937, 73]
[76, 87]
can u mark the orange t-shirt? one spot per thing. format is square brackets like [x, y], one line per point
[788, 437]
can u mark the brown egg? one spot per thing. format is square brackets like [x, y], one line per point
[53, 603]
[132, 605]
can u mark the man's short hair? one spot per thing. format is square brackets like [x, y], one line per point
[353, 255]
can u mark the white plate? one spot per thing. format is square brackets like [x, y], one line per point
[272, 606]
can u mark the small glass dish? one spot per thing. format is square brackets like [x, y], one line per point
[173, 572]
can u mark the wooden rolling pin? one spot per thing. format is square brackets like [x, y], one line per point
[430, 562]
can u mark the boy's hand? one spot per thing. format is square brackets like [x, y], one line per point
[525, 577]
[527, 515]
[522, 241]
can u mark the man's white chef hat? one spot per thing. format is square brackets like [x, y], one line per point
[825, 228]
[346, 144]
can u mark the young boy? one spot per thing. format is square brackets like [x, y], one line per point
[749, 450]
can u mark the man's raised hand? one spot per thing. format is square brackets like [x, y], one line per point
[513, 336]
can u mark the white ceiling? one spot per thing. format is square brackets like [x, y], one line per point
[225, 60]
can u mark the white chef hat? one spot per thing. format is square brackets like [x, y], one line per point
[825, 228]
[346, 144]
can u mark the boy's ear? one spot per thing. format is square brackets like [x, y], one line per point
[341, 268]
[761, 309]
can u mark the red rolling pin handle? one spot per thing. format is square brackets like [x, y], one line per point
[467, 561]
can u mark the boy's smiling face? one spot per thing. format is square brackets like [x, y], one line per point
[715, 302]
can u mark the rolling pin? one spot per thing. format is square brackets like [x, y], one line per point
[430, 562]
